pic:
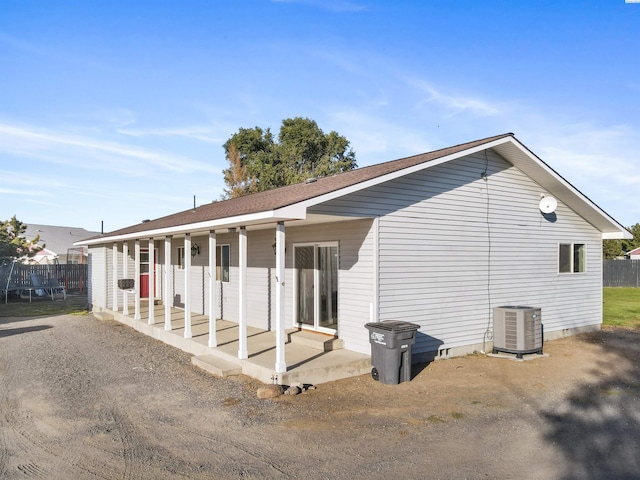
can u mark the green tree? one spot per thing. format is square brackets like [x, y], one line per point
[617, 248]
[302, 150]
[13, 244]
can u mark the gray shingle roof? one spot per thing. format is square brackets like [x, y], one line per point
[292, 194]
[57, 239]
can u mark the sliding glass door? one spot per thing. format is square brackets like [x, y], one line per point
[316, 267]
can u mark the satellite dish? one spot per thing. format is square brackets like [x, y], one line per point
[548, 205]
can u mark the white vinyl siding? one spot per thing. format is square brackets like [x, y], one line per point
[98, 274]
[452, 246]
[355, 275]
[108, 251]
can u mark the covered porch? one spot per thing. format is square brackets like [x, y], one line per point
[312, 358]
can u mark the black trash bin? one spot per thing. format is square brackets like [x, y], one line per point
[391, 343]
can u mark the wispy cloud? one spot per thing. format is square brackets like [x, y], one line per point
[376, 139]
[453, 104]
[23, 192]
[599, 160]
[109, 117]
[42, 51]
[204, 134]
[82, 151]
[381, 74]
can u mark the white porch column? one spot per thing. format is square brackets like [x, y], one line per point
[166, 283]
[136, 280]
[187, 286]
[114, 283]
[281, 365]
[242, 294]
[125, 274]
[213, 305]
[374, 315]
[152, 282]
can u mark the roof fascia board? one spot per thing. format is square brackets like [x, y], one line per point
[228, 222]
[617, 235]
[622, 232]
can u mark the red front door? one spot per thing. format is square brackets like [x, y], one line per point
[144, 273]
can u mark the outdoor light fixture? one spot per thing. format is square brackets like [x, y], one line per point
[195, 250]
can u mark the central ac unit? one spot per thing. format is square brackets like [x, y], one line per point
[517, 330]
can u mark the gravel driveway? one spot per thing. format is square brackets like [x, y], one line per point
[82, 398]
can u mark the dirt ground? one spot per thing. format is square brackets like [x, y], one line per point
[81, 398]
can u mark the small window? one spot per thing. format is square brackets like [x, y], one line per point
[572, 258]
[222, 263]
[180, 258]
[144, 261]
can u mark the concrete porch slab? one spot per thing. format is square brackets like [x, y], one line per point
[311, 358]
[216, 366]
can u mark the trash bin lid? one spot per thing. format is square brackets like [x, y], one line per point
[394, 326]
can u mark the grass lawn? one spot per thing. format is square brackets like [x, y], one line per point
[621, 307]
[21, 307]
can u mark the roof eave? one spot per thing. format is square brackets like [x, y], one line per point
[293, 212]
[521, 157]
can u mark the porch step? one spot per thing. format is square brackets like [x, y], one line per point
[103, 316]
[316, 340]
[216, 366]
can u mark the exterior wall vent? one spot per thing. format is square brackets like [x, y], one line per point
[517, 330]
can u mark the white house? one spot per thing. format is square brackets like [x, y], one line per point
[633, 254]
[58, 244]
[437, 239]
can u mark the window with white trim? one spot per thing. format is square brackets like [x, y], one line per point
[180, 258]
[223, 258]
[572, 257]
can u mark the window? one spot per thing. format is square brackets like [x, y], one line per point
[180, 258]
[222, 262]
[144, 261]
[572, 258]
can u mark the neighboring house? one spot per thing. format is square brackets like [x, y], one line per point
[437, 239]
[58, 244]
[633, 254]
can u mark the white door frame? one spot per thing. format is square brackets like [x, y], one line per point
[316, 281]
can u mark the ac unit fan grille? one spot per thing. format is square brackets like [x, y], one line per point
[517, 330]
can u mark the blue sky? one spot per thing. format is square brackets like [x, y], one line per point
[116, 111]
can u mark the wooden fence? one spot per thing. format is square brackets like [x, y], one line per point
[621, 273]
[72, 277]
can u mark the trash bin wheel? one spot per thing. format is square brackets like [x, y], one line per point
[374, 374]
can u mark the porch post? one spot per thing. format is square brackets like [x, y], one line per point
[125, 274]
[114, 283]
[168, 301]
[242, 294]
[281, 365]
[152, 282]
[213, 306]
[187, 285]
[136, 281]
[375, 314]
